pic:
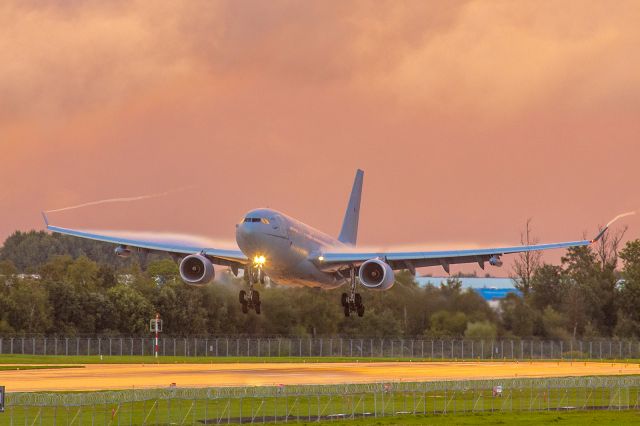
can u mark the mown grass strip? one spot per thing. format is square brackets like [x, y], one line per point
[36, 367]
[136, 359]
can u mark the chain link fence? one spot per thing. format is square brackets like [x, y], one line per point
[323, 347]
[320, 402]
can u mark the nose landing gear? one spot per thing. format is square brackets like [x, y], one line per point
[251, 299]
[352, 301]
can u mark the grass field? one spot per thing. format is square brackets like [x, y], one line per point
[136, 359]
[180, 414]
[35, 367]
[601, 418]
[470, 405]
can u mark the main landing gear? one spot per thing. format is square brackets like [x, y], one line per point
[352, 301]
[251, 299]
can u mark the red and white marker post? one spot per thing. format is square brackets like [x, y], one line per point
[156, 326]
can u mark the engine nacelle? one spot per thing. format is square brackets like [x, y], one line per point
[197, 270]
[376, 275]
[495, 261]
[122, 251]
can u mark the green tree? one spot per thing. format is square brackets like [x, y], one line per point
[629, 300]
[132, 311]
[481, 330]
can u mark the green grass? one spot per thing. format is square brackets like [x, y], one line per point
[35, 367]
[469, 406]
[600, 418]
[188, 412]
[136, 359]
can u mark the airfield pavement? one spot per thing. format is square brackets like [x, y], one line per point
[127, 376]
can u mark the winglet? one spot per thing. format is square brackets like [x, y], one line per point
[46, 219]
[606, 227]
[349, 231]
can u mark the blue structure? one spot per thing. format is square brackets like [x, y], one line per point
[489, 288]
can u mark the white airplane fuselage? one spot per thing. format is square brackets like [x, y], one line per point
[287, 246]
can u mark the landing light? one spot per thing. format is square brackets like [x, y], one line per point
[321, 258]
[259, 260]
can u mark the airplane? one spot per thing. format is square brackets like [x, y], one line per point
[289, 252]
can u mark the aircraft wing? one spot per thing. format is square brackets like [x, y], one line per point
[174, 244]
[340, 258]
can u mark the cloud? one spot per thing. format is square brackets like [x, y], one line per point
[468, 117]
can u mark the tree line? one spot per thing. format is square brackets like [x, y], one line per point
[58, 285]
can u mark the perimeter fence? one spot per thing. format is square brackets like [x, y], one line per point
[320, 402]
[323, 347]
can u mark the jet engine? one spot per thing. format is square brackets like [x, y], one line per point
[122, 251]
[196, 270]
[376, 275]
[495, 261]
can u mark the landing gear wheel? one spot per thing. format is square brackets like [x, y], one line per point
[251, 299]
[352, 301]
[358, 300]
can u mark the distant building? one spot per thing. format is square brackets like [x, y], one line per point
[491, 289]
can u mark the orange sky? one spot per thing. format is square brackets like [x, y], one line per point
[467, 117]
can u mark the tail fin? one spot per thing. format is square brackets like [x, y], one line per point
[349, 232]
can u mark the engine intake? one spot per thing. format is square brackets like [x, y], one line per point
[196, 269]
[376, 275]
[122, 251]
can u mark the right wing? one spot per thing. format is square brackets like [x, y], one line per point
[173, 244]
[341, 258]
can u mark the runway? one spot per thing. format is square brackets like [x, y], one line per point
[127, 376]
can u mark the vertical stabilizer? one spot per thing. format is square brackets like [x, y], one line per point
[349, 231]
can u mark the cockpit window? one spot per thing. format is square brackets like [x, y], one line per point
[257, 219]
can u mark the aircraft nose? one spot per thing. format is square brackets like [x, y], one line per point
[244, 230]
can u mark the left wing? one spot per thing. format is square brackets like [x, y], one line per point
[173, 244]
[338, 259]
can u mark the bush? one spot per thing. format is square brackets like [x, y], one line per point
[481, 330]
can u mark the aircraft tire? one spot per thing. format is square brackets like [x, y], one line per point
[245, 308]
[343, 299]
[347, 311]
[360, 310]
[242, 297]
[255, 297]
[358, 300]
[256, 307]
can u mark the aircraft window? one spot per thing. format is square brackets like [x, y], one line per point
[256, 219]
